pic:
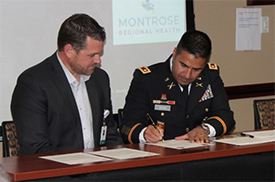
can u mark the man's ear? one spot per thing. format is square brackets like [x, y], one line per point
[68, 49]
[174, 53]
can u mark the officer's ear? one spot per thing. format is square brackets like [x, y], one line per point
[174, 53]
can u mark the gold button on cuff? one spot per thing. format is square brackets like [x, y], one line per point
[187, 129]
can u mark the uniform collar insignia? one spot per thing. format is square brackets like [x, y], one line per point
[171, 85]
[199, 84]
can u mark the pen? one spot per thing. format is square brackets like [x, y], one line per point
[245, 134]
[153, 123]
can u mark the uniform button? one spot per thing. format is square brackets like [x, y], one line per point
[206, 109]
[162, 114]
[187, 116]
[187, 129]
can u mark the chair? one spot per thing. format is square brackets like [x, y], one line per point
[115, 116]
[1, 136]
[10, 141]
[264, 113]
[120, 116]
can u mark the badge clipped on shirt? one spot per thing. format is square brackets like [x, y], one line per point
[104, 128]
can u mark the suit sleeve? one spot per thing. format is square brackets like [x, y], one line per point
[104, 92]
[29, 111]
[113, 136]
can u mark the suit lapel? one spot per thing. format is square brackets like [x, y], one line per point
[94, 102]
[62, 84]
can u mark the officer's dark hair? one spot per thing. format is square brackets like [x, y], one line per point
[195, 42]
[75, 30]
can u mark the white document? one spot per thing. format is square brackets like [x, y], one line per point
[255, 137]
[123, 153]
[262, 134]
[75, 158]
[248, 29]
[178, 144]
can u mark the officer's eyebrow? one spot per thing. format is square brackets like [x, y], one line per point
[185, 65]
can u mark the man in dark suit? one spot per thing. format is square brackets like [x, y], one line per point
[60, 103]
[184, 97]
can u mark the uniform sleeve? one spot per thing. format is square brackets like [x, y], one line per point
[135, 109]
[220, 116]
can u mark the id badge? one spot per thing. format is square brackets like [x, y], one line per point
[103, 135]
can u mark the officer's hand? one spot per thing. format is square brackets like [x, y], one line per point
[198, 135]
[152, 134]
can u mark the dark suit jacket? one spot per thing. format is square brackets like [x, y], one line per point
[149, 93]
[45, 112]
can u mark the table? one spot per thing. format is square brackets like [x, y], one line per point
[221, 162]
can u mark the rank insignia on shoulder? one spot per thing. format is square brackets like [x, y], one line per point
[213, 66]
[144, 70]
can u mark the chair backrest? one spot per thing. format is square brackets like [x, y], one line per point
[120, 116]
[264, 113]
[10, 141]
[1, 135]
[115, 116]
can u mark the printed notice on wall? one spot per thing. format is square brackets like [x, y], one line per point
[248, 29]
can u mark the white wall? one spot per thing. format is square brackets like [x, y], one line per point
[28, 33]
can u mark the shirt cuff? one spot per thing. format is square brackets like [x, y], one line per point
[212, 131]
[141, 136]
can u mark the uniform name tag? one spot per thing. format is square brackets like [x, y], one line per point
[162, 107]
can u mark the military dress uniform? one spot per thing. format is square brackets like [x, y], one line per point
[153, 90]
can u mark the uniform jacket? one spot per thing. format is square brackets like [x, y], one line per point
[153, 90]
[45, 112]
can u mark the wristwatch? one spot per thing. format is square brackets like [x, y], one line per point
[205, 128]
